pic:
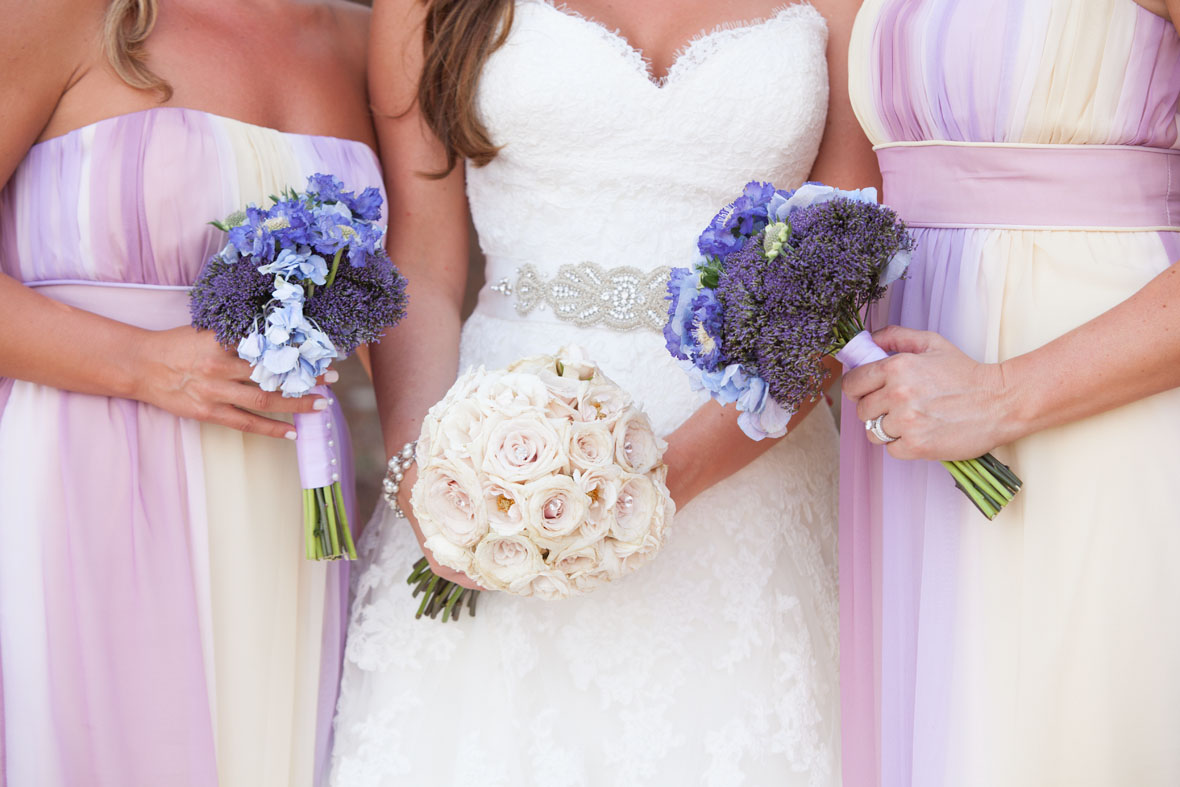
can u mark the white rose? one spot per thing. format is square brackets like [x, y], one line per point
[457, 434]
[637, 449]
[634, 512]
[512, 394]
[460, 391]
[591, 445]
[574, 363]
[667, 508]
[447, 501]
[534, 364]
[547, 585]
[555, 508]
[449, 555]
[502, 560]
[607, 569]
[602, 491]
[563, 394]
[523, 448]
[505, 504]
[577, 559]
[603, 402]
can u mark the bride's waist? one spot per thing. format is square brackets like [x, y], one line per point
[583, 294]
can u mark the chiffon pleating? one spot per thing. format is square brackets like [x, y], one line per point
[1041, 648]
[159, 624]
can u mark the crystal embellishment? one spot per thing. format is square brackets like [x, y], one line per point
[588, 295]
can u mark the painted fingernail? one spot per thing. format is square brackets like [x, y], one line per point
[320, 404]
[331, 376]
[290, 435]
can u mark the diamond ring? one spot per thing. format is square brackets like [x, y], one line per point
[873, 425]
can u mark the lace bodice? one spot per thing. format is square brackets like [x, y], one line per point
[600, 161]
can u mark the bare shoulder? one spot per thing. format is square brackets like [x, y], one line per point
[840, 15]
[45, 47]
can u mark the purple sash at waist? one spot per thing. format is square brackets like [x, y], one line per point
[1104, 187]
[156, 308]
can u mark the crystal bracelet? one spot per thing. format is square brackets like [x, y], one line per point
[395, 473]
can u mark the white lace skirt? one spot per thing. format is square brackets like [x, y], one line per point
[716, 664]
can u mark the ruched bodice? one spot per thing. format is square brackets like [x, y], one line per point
[1097, 72]
[128, 199]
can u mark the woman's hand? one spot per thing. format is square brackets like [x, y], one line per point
[937, 402]
[441, 571]
[187, 373]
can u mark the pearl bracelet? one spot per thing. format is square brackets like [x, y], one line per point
[395, 472]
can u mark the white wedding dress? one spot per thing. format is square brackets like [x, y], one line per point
[716, 664]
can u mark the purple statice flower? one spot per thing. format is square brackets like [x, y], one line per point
[361, 303]
[228, 298]
[742, 218]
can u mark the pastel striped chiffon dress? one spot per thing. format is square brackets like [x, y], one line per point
[159, 625]
[1032, 145]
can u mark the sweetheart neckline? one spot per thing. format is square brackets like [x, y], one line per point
[681, 60]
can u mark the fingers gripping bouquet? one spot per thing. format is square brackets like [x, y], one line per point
[542, 479]
[297, 286]
[782, 281]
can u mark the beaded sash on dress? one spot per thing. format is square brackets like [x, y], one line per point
[588, 295]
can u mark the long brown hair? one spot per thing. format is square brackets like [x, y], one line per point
[126, 26]
[459, 36]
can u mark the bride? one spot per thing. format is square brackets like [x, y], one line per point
[601, 155]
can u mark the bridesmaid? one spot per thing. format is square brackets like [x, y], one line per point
[1032, 145]
[158, 624]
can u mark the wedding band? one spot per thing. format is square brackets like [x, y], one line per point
[873, 425]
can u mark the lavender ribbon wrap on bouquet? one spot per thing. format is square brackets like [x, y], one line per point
[860, 350]
[318, 444]
[297, 286]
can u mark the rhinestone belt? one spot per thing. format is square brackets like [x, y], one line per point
[588, 295]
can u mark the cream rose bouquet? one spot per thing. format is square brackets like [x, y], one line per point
[543, 479]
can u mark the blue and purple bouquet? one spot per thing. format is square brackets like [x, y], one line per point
[783, 280]
[297, 286]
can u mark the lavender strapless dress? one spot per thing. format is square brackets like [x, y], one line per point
[1032, 145]
[158, 623]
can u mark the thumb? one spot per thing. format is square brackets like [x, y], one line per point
[896, 339]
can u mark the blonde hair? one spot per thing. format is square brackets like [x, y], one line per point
[125, 28]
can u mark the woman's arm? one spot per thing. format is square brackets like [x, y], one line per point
[417, 362]
[182, 371]
[709, 447]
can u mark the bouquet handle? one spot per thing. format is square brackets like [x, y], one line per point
[319, 449]
[986, 481]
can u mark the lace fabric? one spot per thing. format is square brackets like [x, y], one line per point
[716, 663]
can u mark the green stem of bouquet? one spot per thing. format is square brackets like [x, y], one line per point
[441, 595]
[345, 530]
[335, 267]
[309, 525]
